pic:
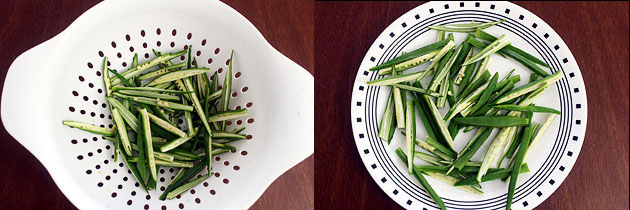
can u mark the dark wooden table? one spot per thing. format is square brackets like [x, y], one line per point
[25, 184]
[596, 33]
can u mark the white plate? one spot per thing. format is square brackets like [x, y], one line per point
[554, 156]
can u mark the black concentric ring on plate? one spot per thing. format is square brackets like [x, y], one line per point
[416, 30]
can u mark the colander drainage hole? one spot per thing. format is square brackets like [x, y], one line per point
[119, 186]
[85, 140]
[100, 184]
[237, 75]
[129, 202]
[146, 206]
[148, 197]
[90, 65]
[158, 43]
[158, 31]
[74, 141]
[181, 205]
[189, 36]
[127, 37]
[144, 45]
[98, 167]
[142, 33]
[108, 177]
[114, 194]
[212, 192]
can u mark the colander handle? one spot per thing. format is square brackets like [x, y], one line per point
[24, 110]
[297, 106]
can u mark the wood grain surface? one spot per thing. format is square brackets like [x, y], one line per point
[25, 184]
[596, 33]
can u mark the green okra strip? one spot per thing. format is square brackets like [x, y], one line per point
[176, 142]
[188, 174]
[465, 53]
[410, 127]
[142, 167]
[423, 112]
[227, 115]
[429, 158]
[422, 181]
[179, 164]
[411, 55]
[426, 146]
[417, 90]
[527, 63]
[227, 91]
[122, 131]
[474, 85]
[166, 125]
[147, 65]
[527, 134]
[538, 135]
[452, 180]
[156, 102]
[160, 72]
[387, 125]
[439, 122]
[227, 135]
[479, 33]
[468, 152]
[514, 142]
[498, 174]
[149, 94]
[398, 106]
[522, 90]
[486, 94]
[134, 170]
[148, 143]
[492, 121]
[148, 89]
[116, 147]
[530, 108]
[467, 27]
[176, 75]
[186, 186]
[396, 79]
[207, 141]
[409, 64]
[489, 50]
[106, 80]
[89, 128]
[444, 70]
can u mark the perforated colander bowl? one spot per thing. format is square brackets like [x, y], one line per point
[61, 79]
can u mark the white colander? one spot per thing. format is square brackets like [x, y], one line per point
[60, 79]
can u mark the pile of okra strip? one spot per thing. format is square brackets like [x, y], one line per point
[147, 101]
[478, 101]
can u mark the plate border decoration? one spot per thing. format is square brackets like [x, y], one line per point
[568, 142]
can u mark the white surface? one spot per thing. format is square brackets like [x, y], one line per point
[553, 149]
[39, 84]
